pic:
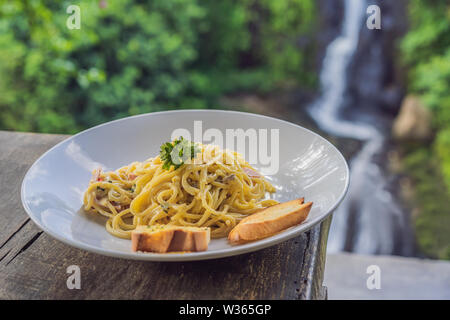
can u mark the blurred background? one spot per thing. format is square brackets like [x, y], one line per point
[380, 95]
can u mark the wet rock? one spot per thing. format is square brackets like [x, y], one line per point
[413, 123]
[375, 81]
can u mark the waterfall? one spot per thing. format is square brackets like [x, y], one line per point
[368, 207]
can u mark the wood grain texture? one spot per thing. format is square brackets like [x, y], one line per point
[33, 265]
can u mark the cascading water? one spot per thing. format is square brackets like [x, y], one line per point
[372, 210]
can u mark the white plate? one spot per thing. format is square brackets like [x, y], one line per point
[309, 166]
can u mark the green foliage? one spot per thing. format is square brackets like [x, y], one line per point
[433, 221]
[177, 152]
[442, 147]
[132, 57]
[280, 23]
[426, 51]
[429, 30]
[431, 79]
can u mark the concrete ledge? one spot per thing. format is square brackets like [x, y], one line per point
[400, 278]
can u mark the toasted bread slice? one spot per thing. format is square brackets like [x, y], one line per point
[270, 221]
[190, 239]
[170, 238]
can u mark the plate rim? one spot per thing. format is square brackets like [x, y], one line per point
[193, 256]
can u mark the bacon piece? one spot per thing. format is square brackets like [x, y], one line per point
[102, 201]
[251, 173]
[96, 175]
[116, 205]
[229, 178]
[132, 176]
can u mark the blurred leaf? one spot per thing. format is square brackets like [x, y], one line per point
[133, 56]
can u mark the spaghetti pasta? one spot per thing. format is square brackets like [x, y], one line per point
[217, 190]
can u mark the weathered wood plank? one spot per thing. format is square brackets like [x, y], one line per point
[17, 152]
[33, 265]
[40, 272]
[315, 255]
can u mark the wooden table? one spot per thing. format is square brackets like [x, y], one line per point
[33, 265]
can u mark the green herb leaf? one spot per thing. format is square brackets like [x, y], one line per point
[100, 191]
[165, 207]
[176, 153]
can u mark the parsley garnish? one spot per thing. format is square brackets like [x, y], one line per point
[176, 153]
[165, 207]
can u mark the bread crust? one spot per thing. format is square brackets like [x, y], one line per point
[170, 238]
[270, 221]
[152, 242]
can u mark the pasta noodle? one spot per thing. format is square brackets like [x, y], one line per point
[217, 190]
